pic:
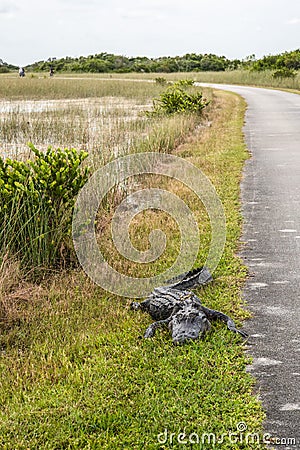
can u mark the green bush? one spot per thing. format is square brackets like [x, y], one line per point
[177, 99]
[4, 69]
[184, 83]
[284, 73]
[36, 204]
[161, 81]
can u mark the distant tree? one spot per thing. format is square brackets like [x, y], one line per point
[284, 73]
[6, 68]
[108, 62]
[212, 63]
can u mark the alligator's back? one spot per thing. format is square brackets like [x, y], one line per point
[161, 302]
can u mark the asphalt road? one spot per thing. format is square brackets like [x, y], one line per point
[271, 209]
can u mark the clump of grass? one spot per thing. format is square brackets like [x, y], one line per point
[161, 81]
[168, 133]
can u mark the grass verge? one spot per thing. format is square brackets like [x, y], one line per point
[75, 375]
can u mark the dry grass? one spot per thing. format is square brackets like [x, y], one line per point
[15, 293]
[72, 87]
[97, 125]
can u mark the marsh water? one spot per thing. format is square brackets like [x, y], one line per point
[95, 124]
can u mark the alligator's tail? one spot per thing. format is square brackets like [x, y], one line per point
[191, 279]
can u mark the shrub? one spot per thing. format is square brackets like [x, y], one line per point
[161, 81]
[176, 99]
[184, 83]
[36, 204]
[4, 69]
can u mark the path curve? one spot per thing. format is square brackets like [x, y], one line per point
[271, 210]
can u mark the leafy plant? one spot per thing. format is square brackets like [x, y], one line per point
[36, 203]
[177, 99]
[184, 83]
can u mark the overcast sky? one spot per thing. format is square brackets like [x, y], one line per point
[33, 30]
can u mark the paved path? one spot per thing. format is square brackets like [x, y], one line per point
[271, 208]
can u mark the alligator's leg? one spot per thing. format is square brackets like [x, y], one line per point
[213, 315]
[152, 328]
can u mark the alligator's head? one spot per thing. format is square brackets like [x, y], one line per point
[188, 322]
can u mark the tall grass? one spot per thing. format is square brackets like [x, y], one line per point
[106, 127]
[74, 87]
[244, 77]
[30, 233]
[98, 126]
[247, 77]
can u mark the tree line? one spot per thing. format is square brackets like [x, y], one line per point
[190, 62]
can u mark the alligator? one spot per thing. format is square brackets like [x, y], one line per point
[177, 307]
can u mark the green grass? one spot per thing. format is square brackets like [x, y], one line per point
[133, 84]
[74, 373]
[13, 88]
[244, 77]
[82, 381]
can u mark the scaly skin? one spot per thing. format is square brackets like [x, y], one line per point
[181, 310]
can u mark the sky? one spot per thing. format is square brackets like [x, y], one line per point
[34, 30]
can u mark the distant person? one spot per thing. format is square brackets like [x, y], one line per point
[21, 72]
[51, 71]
